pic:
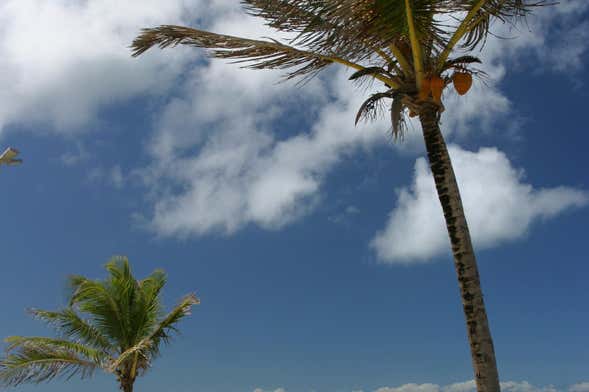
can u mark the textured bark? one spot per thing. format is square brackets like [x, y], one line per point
[126, 383]
[127, 387]
[479, 335]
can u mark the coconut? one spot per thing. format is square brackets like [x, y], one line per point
[462, 82]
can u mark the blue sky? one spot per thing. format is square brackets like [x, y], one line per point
[315, 246]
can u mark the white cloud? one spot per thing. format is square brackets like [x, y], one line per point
[113, 176]
[243, 172]
[411, 388]
[553, 38]
[499, 207]
[579, 387]
[62, 61]
[116, 177]
[276, 390]
[222, 160]
[76, 157]
[468, 386]
[465, 386]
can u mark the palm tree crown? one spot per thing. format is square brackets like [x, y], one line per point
[116, 325]
[406, 44]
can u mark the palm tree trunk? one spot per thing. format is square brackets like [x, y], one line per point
[127, 385]
[479, 335]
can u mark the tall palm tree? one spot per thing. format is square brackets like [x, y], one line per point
[408, 45]
[116, 325]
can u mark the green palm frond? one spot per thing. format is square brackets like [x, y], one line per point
[147, 307]
[123, 324]
[38, 363]
[44, 344]
[149, 346]
[69, 324]
[98, 300]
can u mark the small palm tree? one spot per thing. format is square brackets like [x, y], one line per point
[409, 46]
[116, 325]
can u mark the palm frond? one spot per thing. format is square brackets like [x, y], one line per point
[398, 118]
[98, 300]
[462, 60]
[370, 71]
[507, 11]
[124, 289]
[473, 29]
[69, 324]
[44, 344]
[147, 307]
[148, 347]
[290, 16]
[40, 363]
[259, 54]
[372, 107]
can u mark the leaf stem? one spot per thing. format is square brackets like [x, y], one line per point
[415, 45]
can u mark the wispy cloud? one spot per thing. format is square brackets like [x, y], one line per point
[73, 158]
[110, 176]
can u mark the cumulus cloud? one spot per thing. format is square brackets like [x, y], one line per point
[466, 386]
[223, 160]
[579, 387]
[411, 388]
[499, 205]
[62, 61]
[222, 154]
[244, 171]
[536, 44]
[469, 386]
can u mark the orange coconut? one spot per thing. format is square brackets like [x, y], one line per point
[462, 82]
[437, 85]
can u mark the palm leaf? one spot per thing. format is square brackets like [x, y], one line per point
[370, 71]
[70, 325]
[44, 344]
[43, 363]
[148, 347]
[99, 301]
[147, 307]
[259, 54]
[397, 118]
[371, 108]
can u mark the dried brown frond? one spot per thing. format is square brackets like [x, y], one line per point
[269, 54]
